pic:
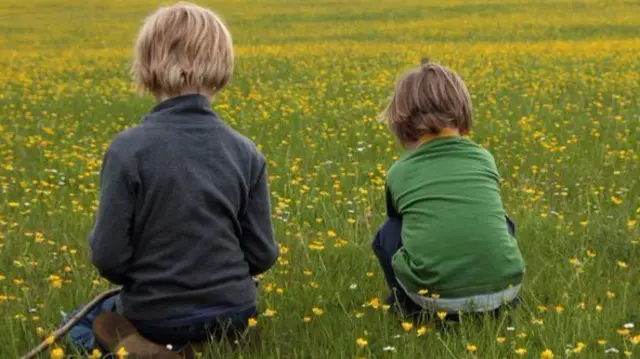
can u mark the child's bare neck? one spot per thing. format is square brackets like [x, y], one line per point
[445, 132]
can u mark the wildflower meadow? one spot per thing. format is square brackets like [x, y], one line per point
[555, 88]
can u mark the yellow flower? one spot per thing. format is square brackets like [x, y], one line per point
[547, 354]
[423, 291]
[521, 352]
[362, 342]
[624, 332]
[252, 322]
[407, 326]
[442, 315]
[375, 303]
[57, 353]
[270, 312]
[559, 309]
[472, 348]
[602, 341]
[636, 340]
[579, 347]
[616, 200]
[598, 308]
[50, 339]
[122, 353]
[96, 354]
[501, 340]
[331, 233]
[317, 311]
[611, 295]
[422, 330]
[622, 264]
[542, 308]
[631, 223]
[306, 319]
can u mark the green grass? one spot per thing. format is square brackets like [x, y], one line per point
[554, 87]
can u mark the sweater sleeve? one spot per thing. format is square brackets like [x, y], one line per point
[110, 239]
[258, 243]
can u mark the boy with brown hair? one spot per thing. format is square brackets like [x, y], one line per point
[184, 220]
[447, 245]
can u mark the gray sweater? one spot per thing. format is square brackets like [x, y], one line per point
[184, 219]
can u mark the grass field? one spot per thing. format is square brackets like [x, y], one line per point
[555, 87]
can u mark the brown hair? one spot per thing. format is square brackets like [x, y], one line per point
[427, 100]
[183, 47]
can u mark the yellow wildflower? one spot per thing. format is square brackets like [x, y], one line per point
[252, 322]
[362, 342]
[122, 353]
[547, 354]
[407, 326]
[57, 353]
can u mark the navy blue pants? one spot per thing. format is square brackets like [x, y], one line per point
[385, 244]
[81, 335]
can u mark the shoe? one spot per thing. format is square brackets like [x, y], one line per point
[113, 331]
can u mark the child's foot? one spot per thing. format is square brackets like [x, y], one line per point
[114, 332]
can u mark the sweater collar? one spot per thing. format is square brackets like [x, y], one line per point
[186, 107]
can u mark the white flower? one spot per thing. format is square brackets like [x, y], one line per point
[629, 326]
[511, 329]
[389, 349]
[169, 346]
[353, 286]
[612, 350]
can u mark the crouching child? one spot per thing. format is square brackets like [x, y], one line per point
[447, 245]
[184, 221]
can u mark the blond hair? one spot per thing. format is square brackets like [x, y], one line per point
[182, 48]
[427, 100]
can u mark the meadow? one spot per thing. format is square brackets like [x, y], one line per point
[555, 87]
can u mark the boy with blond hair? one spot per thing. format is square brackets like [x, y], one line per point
[447, 245]
[184, 217]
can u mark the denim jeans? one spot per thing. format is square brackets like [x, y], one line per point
[81, 335]
[385, 244]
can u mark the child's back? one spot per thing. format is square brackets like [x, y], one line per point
[454, 234]
[195, 193]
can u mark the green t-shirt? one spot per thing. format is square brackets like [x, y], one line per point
[455, 239]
